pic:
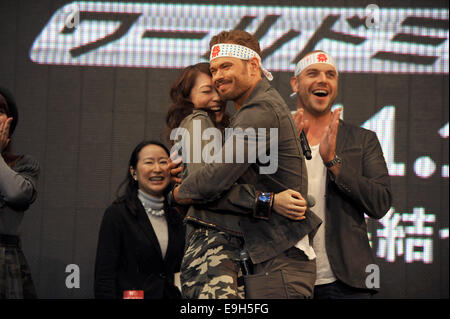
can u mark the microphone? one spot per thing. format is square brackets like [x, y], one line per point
[305, 146]
[246, 264]
[311, 201]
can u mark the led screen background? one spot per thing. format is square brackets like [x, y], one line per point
[84, 105]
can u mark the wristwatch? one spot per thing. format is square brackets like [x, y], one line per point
[334, 161]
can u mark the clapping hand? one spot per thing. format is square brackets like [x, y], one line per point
[4, 133]
[327, 148]
[302, 125]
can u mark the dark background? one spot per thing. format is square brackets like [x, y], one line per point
[81, 123]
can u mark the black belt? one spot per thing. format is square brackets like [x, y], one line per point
[9, 240]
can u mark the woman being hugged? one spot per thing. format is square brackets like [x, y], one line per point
[141, 238]
[194, 97]
[18, 179]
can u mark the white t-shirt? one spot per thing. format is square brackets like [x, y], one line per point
[317, 176]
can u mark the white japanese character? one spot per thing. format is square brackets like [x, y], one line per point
[391, 237]
[426, 255]
[419, 218]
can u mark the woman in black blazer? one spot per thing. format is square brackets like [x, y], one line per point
[141, 239]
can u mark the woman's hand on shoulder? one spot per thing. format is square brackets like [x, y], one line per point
[175, 168]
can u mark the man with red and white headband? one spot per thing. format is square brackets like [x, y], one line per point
[281, 261]
[347, 176]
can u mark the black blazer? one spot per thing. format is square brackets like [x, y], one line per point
[362, 187]
[129, 256]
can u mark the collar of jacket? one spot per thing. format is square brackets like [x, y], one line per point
[262, 86]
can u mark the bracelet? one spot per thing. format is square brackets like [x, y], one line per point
[263, 205]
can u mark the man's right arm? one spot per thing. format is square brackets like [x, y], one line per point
[211, 180]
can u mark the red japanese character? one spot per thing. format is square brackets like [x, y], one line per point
[215, 52]
[322, 57]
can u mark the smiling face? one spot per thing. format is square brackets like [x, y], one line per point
[317, 88]
[204, 96]
[233, 78]
[151, 172]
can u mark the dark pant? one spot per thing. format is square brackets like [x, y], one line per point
[288, 276]
[339, 290]
[15, 275]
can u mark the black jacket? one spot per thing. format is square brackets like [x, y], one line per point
[362, 187]
[129, 256]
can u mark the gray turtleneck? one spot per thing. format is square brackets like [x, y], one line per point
[159, 223]
[17, 192]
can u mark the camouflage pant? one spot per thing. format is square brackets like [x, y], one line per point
[210, 268]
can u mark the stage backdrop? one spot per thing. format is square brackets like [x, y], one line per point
[92, 79]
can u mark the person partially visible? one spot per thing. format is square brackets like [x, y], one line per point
[141, 238]
[18, 180]
[348, 177]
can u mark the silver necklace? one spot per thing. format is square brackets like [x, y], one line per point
[147, 199]
[155, 212]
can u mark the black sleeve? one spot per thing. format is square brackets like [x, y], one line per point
[108, 254]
